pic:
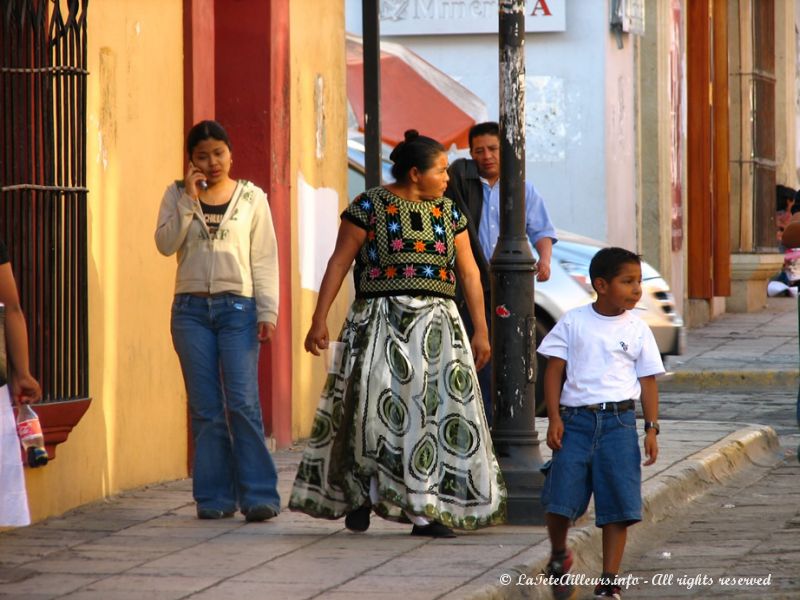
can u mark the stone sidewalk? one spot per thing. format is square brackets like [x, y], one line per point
[147, 544]
[741, 350]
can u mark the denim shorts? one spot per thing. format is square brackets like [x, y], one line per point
[599, 455]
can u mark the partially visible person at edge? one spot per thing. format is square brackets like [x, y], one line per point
[400, 427]
[791, 234]
[226, 302]
[24, 389]
[475, 186]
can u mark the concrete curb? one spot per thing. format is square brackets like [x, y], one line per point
[696, 381]
[663, 496]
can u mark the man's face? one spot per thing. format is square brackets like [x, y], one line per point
[485, 151]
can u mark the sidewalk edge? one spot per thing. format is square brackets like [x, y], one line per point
[694, 381]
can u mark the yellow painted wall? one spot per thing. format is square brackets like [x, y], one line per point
[135, 430]
[318, 153]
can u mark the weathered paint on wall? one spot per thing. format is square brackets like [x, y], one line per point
[620, 145]
[786, 98]
[318, 156]
[135, 430]
[661, 136]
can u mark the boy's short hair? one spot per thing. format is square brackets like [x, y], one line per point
[487, 128]
[607, 263]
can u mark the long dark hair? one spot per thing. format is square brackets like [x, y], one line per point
[414, 151]
[206, 130]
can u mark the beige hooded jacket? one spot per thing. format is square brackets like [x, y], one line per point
[242, 258]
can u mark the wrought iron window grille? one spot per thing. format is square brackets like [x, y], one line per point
[43, 194]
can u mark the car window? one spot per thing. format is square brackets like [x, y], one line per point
[356, 160]
[355, 181]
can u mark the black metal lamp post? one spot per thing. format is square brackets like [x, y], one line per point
[372, 92]
[513, 270]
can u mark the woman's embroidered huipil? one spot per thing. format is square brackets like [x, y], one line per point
[410, 247]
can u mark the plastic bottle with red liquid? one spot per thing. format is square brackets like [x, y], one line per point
[30, 436]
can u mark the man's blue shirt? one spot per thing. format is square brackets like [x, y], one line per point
[537, 221]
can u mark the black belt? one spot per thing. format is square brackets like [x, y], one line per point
[615, 407]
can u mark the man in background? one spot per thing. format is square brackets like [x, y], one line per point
[475, 186]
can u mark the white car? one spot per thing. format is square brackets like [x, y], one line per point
[569, 286]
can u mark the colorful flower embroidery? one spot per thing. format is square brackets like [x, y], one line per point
[433, 263]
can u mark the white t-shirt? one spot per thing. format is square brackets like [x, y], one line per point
[605, 356]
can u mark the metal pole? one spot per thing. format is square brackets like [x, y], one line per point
[371, 40]
[513, 271]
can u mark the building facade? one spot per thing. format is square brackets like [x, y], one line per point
[151, 70]
[660, 126]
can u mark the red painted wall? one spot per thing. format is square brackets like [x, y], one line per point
[250, 40]
[243, 57]
[198, 63]
[242, 86]
[280, 193]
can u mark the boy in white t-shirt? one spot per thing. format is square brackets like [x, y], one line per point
[611, 359]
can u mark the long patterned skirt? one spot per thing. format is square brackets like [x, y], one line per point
[404, 411]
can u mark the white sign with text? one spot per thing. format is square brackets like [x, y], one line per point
[444, 17]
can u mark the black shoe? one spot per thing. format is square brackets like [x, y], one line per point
[436, 530]
[213, 513]
[358, 519]
[258, 513]
[608, 591]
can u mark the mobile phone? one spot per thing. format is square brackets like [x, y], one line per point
[202, 184]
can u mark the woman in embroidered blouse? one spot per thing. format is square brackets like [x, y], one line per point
[400, 427]
[226, 302]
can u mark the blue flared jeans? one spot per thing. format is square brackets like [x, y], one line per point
[216, 339]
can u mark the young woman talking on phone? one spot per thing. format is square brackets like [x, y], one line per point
[226, 302]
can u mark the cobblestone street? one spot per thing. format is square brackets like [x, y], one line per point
[747, 528]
